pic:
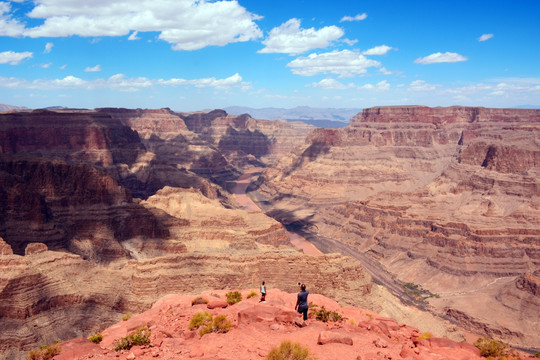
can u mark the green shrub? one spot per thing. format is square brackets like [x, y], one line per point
[426, 335]
[325, 315]
[199, 300]
[233, 297]
[537, 355]
[219, 325]
[96, 338]
[289, 351]
[490, 347]
[200, 319]
[140, 337]
[44, 352]
[251, 294]
[126, 317]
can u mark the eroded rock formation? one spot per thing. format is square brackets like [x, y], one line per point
[444, 197]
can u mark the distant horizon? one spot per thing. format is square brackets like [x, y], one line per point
[190, 55]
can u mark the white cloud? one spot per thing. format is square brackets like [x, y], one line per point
[378, 50]
[232, 81]
[134, 36]
[8, 25]
[186, 24]
[485, 37]
[421, 85]
[380, 86]
[45, 66]
[447, 57]
[48, 48]
[344, 63]
[96, 68]
[14, 58]
[289, 38]
[331, 84]
[358, 17]
[119, 82]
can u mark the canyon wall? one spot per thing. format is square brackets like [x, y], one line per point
[448, 198]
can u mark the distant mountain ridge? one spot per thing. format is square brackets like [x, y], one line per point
[322, 117]
[4, 107]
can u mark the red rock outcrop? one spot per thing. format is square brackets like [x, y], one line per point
[53, 295]
[257, 328]
[448, 198]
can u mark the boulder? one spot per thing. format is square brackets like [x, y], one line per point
[35, 248]
[330, 337]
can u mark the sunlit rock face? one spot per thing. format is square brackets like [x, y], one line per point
[445, 197]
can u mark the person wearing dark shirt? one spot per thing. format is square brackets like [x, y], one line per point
[302, 302]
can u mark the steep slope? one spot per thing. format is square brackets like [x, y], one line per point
[448, 198]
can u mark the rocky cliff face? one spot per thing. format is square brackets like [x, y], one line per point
[51, 295]
[444, 197]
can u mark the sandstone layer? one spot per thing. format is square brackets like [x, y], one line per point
[448, 198]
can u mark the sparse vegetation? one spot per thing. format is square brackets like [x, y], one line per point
[418, 293]
[140, 337]
[324, 315]
[251, 294]
[203, 321]
[200, 319]
[233, 297]
[44, 352]
[537, 355]
[426, 335]
[369, 316]
[126, 317]
[199, 300]
[96, 338]
[492, 349]
[289, 351]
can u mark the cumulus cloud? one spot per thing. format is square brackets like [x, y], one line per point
[134, 36]
[343, 63]
[447, 57]
[186, 24]
[378, 50]
[8, 25]
[96, 68]
[14, 58]
[120, 82]
[331, 84]
[485, 37]
[358, 17]
[48, 48]
[289, 38]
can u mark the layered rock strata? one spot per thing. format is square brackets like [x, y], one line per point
[448, 198]
[50, 295]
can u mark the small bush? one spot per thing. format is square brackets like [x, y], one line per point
[537, 355]
[199, 300]
[325, 315]
[200, 319]
[233, 297]
[126, 317]
[369, 316]
[426, 335]
[490, 347]
[289, 351]
[251, 294]
[44, 352]
[96, 338]
[140, 337]
[219, 325]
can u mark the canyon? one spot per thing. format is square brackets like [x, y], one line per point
[444, 198]
[105, 211]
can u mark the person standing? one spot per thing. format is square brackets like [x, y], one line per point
[263, 293]
[302, 301]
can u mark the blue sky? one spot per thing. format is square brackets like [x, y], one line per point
[191, 55]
